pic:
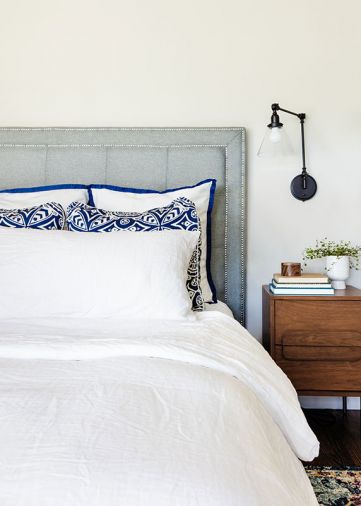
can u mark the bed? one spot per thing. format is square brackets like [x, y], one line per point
[100, 411]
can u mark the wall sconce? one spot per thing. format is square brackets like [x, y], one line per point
[303, 186]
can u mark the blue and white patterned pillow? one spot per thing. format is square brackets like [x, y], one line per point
[181, 214]
[50, 216]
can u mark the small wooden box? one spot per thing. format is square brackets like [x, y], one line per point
[316, 340]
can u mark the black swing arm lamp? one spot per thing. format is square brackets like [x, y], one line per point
[303, 186]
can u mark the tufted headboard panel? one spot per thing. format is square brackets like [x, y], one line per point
[156, 158]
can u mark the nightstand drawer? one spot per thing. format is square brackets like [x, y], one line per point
[320, 345]
[335, 318]
[323, 375]
[316, 340]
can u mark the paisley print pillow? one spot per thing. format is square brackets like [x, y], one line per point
[180, 214]
[50, 216]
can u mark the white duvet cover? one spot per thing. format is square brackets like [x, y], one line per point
[106, 413]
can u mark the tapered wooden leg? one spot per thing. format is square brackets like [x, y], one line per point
[344, 405]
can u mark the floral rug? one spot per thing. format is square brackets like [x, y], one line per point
[336, 486]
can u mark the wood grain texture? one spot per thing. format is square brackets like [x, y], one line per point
[316, 340]
[267, 322]
[339, 436]
[322, 338]
[290, 269]
[321, 375]
[322, 353]
[310, 316]
[351, 293]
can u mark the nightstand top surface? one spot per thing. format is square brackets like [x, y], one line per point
[351, 293]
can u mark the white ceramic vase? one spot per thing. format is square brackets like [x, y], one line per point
[338, 270]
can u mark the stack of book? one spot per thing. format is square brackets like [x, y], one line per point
[306, 284]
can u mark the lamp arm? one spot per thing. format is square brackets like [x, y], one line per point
[301, 116]
[304, 171]
[303, 186]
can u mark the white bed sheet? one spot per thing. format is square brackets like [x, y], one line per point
[220, 307]
[107, 413]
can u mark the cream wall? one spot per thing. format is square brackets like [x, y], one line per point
[206, 63]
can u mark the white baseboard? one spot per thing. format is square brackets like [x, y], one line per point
[329, 402]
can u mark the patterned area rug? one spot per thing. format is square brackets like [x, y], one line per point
[336, 486]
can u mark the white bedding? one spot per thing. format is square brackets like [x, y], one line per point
[62, 274]
[103, 413]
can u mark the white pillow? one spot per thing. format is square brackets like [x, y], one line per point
[122, 275]
[117, 198]
[64, 194]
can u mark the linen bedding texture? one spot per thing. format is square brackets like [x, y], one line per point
[124, 275]
[119, 198]
[113, 391]
[98, 412]
[180, 214]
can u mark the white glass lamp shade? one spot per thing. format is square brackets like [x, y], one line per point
[275, 143]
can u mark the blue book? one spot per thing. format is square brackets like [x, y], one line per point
[301, 291]
[300, 285]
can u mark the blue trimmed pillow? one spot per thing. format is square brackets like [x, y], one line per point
[180, 214]
[50, 216]
[202, 194]
[64, 194]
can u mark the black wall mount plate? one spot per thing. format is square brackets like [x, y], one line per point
[301, 193]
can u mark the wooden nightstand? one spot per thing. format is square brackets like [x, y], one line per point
[316, 340]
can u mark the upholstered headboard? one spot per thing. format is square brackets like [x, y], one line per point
[155, 158]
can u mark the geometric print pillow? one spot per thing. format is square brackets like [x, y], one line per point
[180, 214]
[50, 216]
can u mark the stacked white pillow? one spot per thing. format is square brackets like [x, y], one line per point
[124, 275]
[117, 198]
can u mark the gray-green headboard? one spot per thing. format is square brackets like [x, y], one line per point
[155, 158]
